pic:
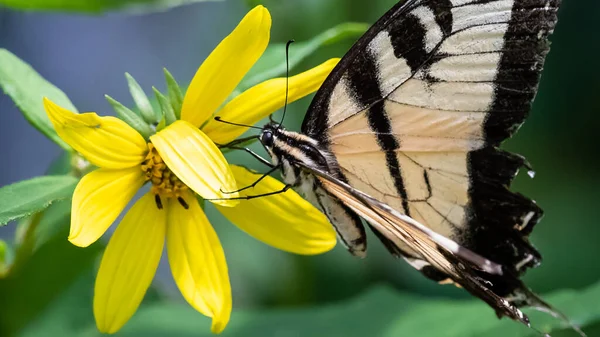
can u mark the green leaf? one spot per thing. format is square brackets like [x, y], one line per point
[67, 163]
[141, 100]
[27, 89]
[272, 63]
[46, 229]
[380, 312]
[175, 95]
[97, 6]
[134, 120]
[31, 196]
[162, 124]
[42, 278]
[165, 107]
[71, 312]
[68, 312]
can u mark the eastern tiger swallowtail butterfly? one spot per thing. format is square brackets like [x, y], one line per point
[404, 133]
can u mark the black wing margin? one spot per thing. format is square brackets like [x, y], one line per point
[501, 219]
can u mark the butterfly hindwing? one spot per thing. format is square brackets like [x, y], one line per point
[424, 98]
[460, 264]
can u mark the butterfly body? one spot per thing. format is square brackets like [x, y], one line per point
[287, 149]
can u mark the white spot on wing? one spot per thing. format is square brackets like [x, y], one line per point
[480, 14]
[341, 104]
[465, 68]
[478, 39]
[445, 96]
[433, 31]
[391, 71]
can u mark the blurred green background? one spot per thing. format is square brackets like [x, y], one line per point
[86, 56]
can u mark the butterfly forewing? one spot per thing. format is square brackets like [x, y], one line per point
[424, 98]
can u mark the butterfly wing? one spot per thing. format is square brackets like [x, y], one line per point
[460, 264]
[413, 115]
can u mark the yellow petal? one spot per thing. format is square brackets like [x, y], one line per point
[106, 142]
[98, 200]
[225, 67]
[196, 161]
[262, 100]
[198, 262]
[129, 264]
[285, 221]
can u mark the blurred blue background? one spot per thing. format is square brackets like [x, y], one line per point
[86, 56]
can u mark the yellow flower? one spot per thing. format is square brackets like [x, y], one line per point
[180, 162]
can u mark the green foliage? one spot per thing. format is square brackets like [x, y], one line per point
[381, 311]
[97, 6]
[134, 120]
[38, 278]
[52, 225]
[30, 196]
[44, 264]
[27, 89]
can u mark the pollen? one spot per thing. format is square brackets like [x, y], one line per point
[165, 183]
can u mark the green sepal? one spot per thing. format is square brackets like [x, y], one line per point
[165, 107]
[134, 120]
[175, 95]
[161, 124]
[141, 100]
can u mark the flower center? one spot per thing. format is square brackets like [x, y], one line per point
[165, 183]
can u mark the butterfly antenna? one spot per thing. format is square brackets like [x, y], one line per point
[218, 119]
[287, 79]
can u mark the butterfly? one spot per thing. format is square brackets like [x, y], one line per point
[405, 134]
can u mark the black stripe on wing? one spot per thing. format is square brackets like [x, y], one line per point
[364, 85]
[408, 39]
[443, 17]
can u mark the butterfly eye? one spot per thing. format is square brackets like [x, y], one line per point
[267, 138]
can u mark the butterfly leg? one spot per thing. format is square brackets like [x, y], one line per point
[249, 197]
[255, 155]
[273, 169]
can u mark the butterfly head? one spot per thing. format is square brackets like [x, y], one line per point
[269, 134]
